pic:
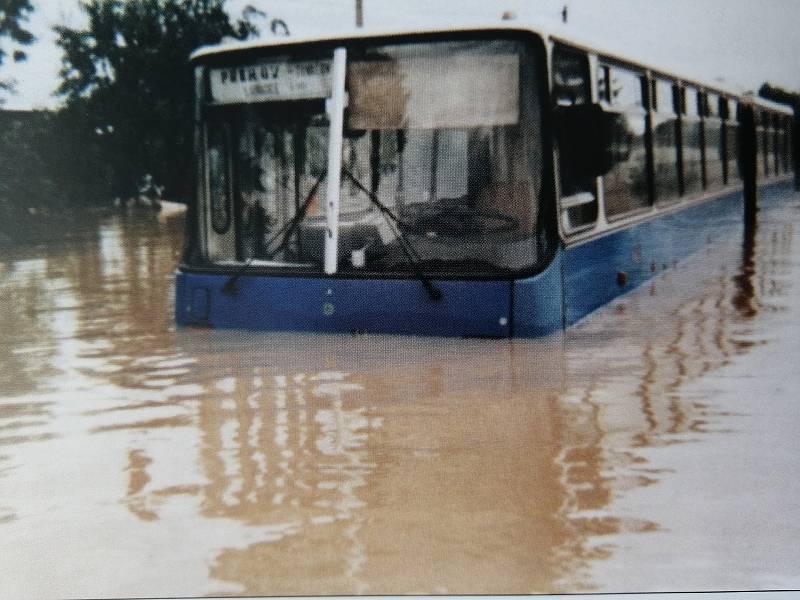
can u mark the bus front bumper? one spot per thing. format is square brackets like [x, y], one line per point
[345, 305]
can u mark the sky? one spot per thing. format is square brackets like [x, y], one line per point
[741, 43]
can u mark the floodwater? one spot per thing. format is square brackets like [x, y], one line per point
[653, 447]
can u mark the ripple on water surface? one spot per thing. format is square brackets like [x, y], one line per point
[253, 463]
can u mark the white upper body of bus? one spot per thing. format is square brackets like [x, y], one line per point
[442, 127]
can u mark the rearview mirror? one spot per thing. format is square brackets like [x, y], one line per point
[584, 133]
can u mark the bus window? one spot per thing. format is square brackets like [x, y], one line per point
[625, 186]
[761, 135]
[277, 169]
[219, 178]
[665, 143]
[570, 77]
[445, 135]
[570, 88]
[776, 145]
[730, 110]
[787, 128]
[769, 145]
[784, 141]
[723, 110]
[766, 143]
[691, 142]
[219, 192]
[448, 135]
[604, 84]
[714, 142]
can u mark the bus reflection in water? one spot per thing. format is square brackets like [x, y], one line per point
[326, 447]
[495, 183]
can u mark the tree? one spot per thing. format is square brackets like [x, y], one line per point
[12, 14]
[128, 85]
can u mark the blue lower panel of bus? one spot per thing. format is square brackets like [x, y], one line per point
[596, 272]
[467, 308]
[538, 302]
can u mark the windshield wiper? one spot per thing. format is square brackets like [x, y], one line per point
[290, 227]
[394, 222]
[286, 231]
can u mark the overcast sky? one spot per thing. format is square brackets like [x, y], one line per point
[741, 42]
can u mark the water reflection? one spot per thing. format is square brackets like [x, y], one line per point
[648, 349]
[744, 299]
[330, 465]
[254, 463]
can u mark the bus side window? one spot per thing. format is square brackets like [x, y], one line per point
[783, 138]
[571, 87]
[794, 145]
[219, 177]
[664, 119]
[730, 110]
[714, 141]
[626, 186]
[761, 138]
[221, 245]
[691, 141]
[772, 145]
[768, 145]
[776, 145]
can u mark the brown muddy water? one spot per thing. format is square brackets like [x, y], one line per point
[653, 447]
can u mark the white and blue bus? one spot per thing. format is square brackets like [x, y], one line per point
[499, 181]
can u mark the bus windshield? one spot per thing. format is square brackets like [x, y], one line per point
[442, 153]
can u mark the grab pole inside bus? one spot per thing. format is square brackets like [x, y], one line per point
[335, 107]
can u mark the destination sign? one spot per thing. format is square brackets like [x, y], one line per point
[271, 81]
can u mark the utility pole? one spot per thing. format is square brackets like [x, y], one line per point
[359, 13]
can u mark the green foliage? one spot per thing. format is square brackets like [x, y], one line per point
[128, 85]
[21, 143]
[12, 14]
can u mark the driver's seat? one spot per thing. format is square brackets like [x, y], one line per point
[515, 199]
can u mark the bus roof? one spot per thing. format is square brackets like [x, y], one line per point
[549, 29]
[364, 32]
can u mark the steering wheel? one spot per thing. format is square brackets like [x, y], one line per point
[461, 220]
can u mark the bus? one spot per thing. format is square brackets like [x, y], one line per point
[496, 181]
